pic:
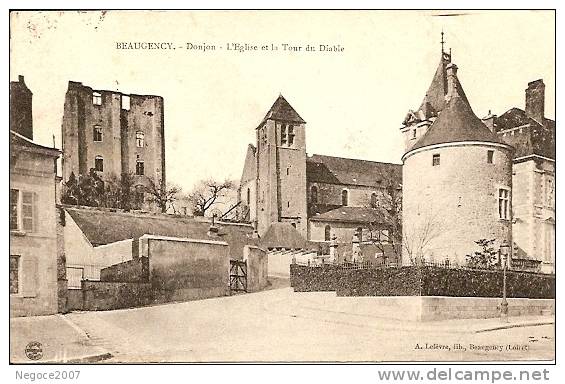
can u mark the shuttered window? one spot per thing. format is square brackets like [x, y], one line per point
[22, 210]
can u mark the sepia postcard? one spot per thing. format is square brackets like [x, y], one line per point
[289, 186]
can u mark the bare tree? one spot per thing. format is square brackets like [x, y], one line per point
[388, 201]
[206, 193]
[159, 194]
[418, 236]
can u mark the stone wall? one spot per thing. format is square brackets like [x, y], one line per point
[132, 271]
[186, 269]
[100, 295]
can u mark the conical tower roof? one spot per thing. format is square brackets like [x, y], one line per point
[282, 110]
[456, 121]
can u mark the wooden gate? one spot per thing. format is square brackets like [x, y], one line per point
[238, 276]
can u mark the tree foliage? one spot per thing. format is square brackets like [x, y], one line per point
[484, 258]
[161, 195]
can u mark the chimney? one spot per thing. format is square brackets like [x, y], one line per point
[489, 121]
[452, 82]
[535, 100]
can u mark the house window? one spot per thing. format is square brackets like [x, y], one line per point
[139, 168]
[344, 197]
[14, 274]
[99, 164]
[314, 195]
[96, 98]
[14, 203]
[21, 210]
[125, 102]
[490, 157]
[435, 159]
[327, 233]
[97, 133]
[248, 196]
[374, 202]
[139, 139]
[504, 204]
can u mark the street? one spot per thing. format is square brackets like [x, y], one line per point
[279, 325]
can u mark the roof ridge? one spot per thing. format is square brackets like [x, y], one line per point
[353, 159]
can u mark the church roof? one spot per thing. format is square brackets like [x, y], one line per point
[352, 215]
[456, 122]
[282, 110]
[339, 170]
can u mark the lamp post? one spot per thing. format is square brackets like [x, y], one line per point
[504, 251]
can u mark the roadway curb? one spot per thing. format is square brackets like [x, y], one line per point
[520, 325]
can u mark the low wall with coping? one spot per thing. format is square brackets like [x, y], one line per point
[100, 295]
[131, 271]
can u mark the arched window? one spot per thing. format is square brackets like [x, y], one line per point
[248, 196]
[97, 133]
[314, 194]
[374, 202]
[344, 197]
[327, 233]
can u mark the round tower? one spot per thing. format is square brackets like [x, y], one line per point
[457, 181]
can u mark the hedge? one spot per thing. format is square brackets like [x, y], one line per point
[420, 281]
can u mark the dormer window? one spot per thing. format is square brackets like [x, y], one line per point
[96, 98]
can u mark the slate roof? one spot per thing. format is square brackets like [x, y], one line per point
[339, 170]
[352, 215]
[101, 226]
[282, 110]
[18, 141]
[532, 139]
[456, 122]
[282, 235]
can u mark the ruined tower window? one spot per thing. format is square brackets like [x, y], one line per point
[490, 157]
[314, 195]
[96, 98]
[374, 202]
[344, 197]
[139, 168]
[435, 159]
[125, 102]
[327, 233]
[139, 139]
[97, 133]
[99, 164]
[504, 204]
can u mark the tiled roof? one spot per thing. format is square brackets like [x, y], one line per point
[456, 122]
[282, 110]
[339, 170]
[282, 235]
[101, 226]
[531, 138]
[352, 215]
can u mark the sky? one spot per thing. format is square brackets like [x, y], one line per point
[353, 101]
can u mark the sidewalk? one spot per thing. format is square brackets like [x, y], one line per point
[61, 341]
[360, 311]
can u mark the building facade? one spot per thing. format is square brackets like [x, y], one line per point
[533, 178]
[113, 133]
[321, 196]
[33, 239]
